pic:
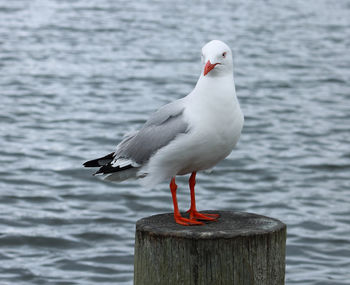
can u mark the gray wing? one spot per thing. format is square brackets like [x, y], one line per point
[161, 128]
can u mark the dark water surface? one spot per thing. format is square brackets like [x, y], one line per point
[77, 75]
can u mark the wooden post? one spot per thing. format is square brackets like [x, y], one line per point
[238, 249]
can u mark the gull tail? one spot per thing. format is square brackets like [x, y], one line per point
[115, 169]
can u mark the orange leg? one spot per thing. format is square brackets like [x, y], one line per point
[178, 218]
[193, 211]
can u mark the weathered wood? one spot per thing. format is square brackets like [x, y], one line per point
[239, 249]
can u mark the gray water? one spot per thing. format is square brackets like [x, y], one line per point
[75, 76]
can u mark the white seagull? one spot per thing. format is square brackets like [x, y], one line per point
[188, 135]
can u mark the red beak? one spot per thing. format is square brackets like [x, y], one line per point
[208, 67]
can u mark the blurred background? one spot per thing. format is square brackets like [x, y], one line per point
[75, 76]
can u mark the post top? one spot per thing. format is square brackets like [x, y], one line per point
[230, 224]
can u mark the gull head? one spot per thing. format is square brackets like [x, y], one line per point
[217, 59]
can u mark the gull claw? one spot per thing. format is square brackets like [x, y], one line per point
[202, 216]
[187, 222]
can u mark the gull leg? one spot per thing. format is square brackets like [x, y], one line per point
[178, 218]
[193, 211]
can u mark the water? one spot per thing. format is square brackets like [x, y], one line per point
[76, 75]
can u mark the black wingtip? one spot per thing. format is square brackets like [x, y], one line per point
[107, 169]
[99, 161]
[91, 163]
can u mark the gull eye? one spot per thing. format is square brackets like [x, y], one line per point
[224, 54]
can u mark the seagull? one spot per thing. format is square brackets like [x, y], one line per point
[185, 136]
